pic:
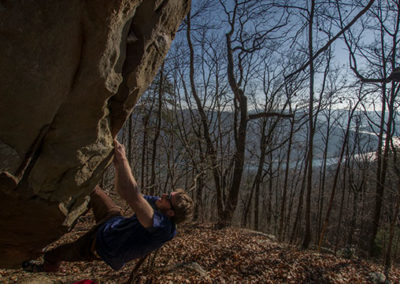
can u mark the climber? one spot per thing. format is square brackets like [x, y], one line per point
[116, 239]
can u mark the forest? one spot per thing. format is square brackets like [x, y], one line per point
[281, 117]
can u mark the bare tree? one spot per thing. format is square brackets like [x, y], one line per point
[379, 68]
[241, 48]
[352, 109]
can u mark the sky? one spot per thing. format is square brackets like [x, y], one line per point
[215, 20]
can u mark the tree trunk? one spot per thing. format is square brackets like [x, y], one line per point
[156, 134]
[240, 140]
[285, 183]
[339, 227]
[388, 258]
[336, 177]
[198, 208]
[321, 192]
[211, 152]
[300, 204]
[144, 151]
[307, 233]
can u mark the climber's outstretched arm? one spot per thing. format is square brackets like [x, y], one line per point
[128, 189]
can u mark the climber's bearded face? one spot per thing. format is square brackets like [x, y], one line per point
[166, 203]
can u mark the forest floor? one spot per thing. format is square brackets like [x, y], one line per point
[202, 254]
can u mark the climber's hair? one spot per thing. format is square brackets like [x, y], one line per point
[183, 206]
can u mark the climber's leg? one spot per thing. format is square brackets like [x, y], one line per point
[79, 250]
[102, 205]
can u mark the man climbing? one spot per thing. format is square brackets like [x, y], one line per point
[116, 239]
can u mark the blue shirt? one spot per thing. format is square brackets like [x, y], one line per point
[121, 239]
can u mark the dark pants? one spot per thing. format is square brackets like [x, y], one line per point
[83, 248]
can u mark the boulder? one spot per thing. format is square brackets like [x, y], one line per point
[70, 73]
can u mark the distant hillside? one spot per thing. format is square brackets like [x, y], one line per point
[363, 122]
[367, 140]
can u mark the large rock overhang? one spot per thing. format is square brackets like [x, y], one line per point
[70, 73]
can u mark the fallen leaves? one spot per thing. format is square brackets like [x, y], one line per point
[201, 254]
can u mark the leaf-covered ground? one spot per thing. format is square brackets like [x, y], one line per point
[202, 254]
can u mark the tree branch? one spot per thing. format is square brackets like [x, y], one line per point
[325, 47]
[269, 114]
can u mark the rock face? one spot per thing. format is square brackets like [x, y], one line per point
[70, 73]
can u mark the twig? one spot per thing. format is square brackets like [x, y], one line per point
[190, 265]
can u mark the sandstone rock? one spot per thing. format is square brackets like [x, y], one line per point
[70, 73]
